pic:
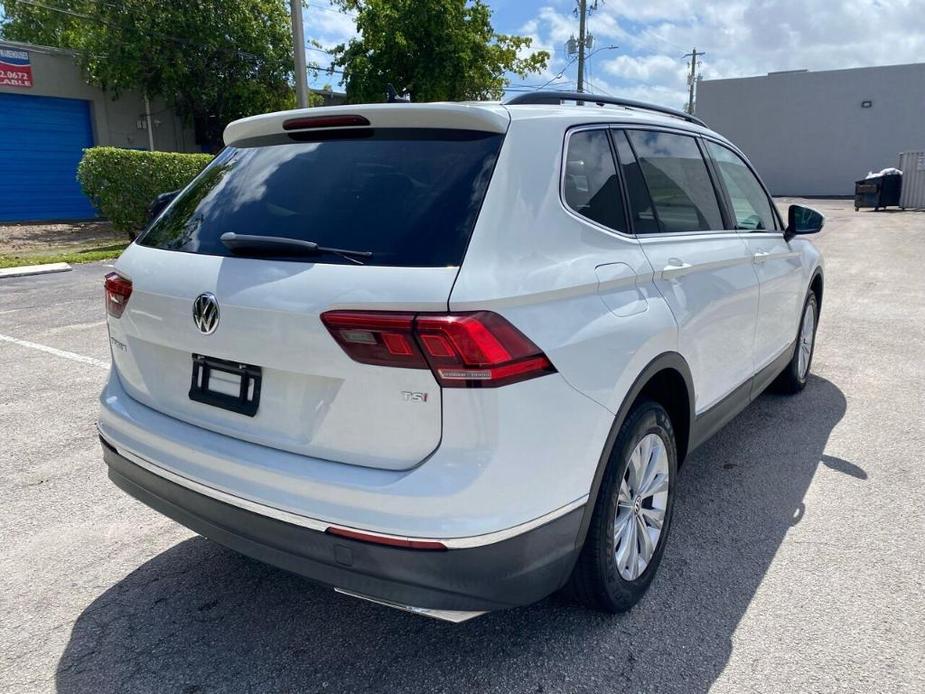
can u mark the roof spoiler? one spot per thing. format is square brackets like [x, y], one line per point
[485, 117]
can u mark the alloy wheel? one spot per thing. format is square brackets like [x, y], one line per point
[807, 336]
[641, 506]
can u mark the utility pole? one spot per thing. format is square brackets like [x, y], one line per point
[582, 21]
[692, 79]
[298, 52]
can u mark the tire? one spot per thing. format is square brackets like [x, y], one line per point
[793, 378]
[604, 577]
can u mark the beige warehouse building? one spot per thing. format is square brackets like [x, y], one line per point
[815, 133]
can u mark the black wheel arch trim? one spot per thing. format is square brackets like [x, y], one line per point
[665, 361]
[817, 273]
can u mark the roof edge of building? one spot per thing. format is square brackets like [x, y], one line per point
[23, 46]
[789, 73]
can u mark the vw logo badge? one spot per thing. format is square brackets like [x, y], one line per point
[205, 313]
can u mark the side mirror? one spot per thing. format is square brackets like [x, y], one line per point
[159, 203]
[803, 220]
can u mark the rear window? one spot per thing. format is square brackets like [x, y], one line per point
[592, 188]
[409, 196]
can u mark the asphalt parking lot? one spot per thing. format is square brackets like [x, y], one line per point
[796, 562]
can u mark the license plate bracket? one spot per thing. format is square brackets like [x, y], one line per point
[205, 380]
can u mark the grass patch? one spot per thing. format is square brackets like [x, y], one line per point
[87, 255]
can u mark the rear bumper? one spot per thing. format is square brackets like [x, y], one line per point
[516, 571]
[509, 459]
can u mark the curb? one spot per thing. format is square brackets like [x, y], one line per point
[26, 270]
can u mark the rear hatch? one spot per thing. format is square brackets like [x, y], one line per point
[232, 340]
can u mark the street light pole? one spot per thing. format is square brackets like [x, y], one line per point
[298, 52]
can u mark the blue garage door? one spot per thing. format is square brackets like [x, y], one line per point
[41, 142]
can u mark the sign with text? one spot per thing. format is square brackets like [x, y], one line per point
[15, 68]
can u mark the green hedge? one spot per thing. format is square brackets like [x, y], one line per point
[121, 183]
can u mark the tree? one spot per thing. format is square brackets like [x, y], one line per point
[438, 50]
[214, 60]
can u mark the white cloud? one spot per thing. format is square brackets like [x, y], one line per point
[741, 38]
[327, 25]
[656, 69]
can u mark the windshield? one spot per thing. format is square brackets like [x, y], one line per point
[409, 196]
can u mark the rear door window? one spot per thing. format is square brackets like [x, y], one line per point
[678, 181]
[409, 196]
[750, 204]
[641, 209]
[591, 187]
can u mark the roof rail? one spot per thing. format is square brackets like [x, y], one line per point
[554, 98]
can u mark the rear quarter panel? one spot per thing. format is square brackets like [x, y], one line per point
[583, 294]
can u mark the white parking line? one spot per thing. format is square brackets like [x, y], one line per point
[57, 352]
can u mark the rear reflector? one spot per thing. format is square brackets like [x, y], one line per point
[463, 350]
[346, 121]
[383, 540]
[118, 290]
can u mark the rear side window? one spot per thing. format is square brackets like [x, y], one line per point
[678, 181]
[591, 186]
[410, 196]
[641, 210]
[750, 204]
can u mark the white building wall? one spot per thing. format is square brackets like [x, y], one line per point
[807, 132]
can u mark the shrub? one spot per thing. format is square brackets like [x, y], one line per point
[122, 183]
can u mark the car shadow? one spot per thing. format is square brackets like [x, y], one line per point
[200, 618]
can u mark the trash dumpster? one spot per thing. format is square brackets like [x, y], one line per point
[878, 190]
[913, 195]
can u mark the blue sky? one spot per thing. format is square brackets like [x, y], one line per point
[740, 37]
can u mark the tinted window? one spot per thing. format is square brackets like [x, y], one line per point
[643, 215]
[678, 181]
[592, 188]
[409, 196]
[750, 204]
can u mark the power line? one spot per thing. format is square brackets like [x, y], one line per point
[100, 20]
[319, 50]
[597, 89]
[661, 38]
[332, 10]
[560, 74]
[168, 37]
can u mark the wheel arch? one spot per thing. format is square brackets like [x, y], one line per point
[816, 285]
[667, 380]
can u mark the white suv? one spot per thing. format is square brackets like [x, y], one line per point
[449, 357]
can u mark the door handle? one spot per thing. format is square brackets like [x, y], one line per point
[675, 267]
[760, 257]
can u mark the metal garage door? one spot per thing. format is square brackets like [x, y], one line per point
[41, 142]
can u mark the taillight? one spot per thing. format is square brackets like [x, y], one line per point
[118, 290]
[463, 350]
[383, 339]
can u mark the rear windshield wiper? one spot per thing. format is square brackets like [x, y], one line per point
[282, 246]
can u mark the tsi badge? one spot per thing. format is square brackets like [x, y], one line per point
[411, 396]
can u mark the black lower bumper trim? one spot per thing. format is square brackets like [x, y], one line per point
[513, 572]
